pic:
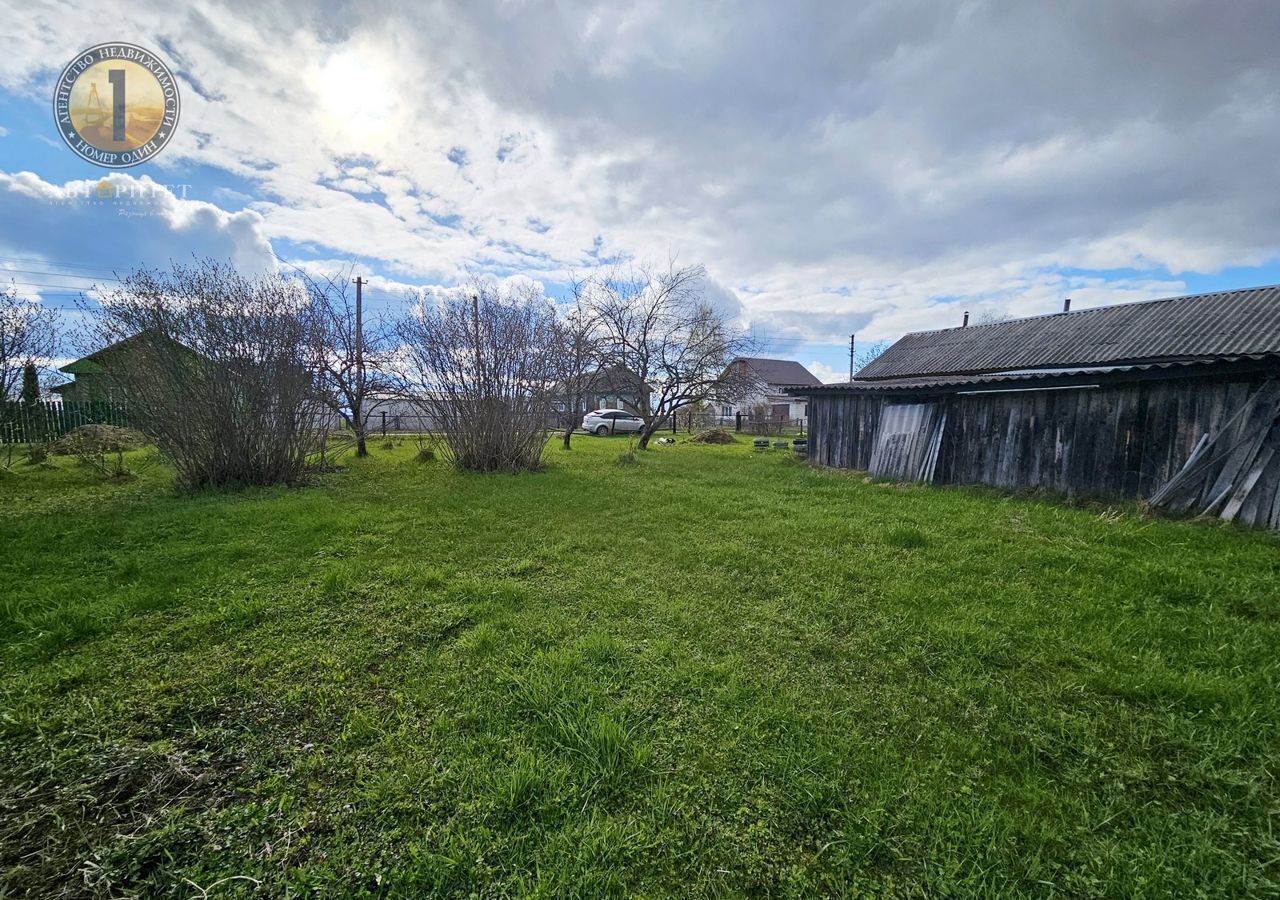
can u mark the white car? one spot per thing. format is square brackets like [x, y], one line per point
[611, 421]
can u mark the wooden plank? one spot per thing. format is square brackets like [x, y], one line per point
[1246, 484]
[1251, 433]
[1172, 484]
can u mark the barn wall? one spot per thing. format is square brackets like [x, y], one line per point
[1125, 439]
[841, 429]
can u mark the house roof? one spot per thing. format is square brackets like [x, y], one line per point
[1025, 379]
[778, 371]
[610, 380]
[92, 363]
[1198, 327]
[618, 379]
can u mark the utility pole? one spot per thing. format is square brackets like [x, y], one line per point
[357, 414]
[851, 341]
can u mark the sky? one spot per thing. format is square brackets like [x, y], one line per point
[838, 168]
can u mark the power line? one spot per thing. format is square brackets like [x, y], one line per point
[43, 287]
[44, 260]
[60, 275]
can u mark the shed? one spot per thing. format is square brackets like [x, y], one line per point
[1175, 400]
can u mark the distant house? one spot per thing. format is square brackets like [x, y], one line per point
[766, 382]
[612, 387]
[1176, 401]
[91, 375]
[392, 412]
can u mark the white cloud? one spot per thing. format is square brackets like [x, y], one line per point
[825, 373]
[98, 229]
[875, 169]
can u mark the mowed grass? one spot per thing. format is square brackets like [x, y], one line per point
[709, 673]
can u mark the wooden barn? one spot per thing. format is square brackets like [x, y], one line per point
[1176, 401]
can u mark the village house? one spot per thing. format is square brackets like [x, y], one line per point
[765, 390]
[611, 387]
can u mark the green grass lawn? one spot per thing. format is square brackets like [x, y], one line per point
[711, 673]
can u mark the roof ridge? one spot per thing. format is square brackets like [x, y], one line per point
[1094, 309]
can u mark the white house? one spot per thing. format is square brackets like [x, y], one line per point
[770, 379]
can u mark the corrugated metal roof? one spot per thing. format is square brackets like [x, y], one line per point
[778, 371]
[1024, 376]
[1201, 326]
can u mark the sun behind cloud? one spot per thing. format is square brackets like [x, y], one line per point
[357, 98]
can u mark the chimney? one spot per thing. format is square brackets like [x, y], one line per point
[1066, 305]
[965, 323]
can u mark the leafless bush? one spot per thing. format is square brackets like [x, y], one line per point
[216, 371]
[483, 367]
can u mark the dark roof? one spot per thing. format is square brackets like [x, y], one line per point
[616, 378]
[93, 362]
[778, 371]
[1020, 379]
[1198, 327]
[611, 379]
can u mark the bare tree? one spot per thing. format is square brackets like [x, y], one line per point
[483, 367]
[660, 327]
[580, 355]
[28, 337]
[215, 371]
[865, 355]
[991, 317]
[351, 365]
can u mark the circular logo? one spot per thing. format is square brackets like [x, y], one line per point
[116, 105]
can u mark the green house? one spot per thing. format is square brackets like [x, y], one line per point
[91, 375]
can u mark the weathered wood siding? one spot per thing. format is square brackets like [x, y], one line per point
[842, 428]
[1124, 439]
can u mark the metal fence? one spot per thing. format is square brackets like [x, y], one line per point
[742, 423]
[48, 420]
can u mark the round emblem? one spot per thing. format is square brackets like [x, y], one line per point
[116, 105]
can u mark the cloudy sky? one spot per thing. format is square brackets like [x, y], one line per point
[874, 168]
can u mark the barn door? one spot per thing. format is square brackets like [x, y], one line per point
[907, 440]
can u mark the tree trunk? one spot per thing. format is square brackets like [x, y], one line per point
[359, 426]
[568, 433]
[645, 435]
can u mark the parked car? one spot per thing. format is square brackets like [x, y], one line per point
[611, 421]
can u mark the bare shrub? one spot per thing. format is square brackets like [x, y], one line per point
[216, 372]
[482, 368]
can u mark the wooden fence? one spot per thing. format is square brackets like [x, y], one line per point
[48, 420]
